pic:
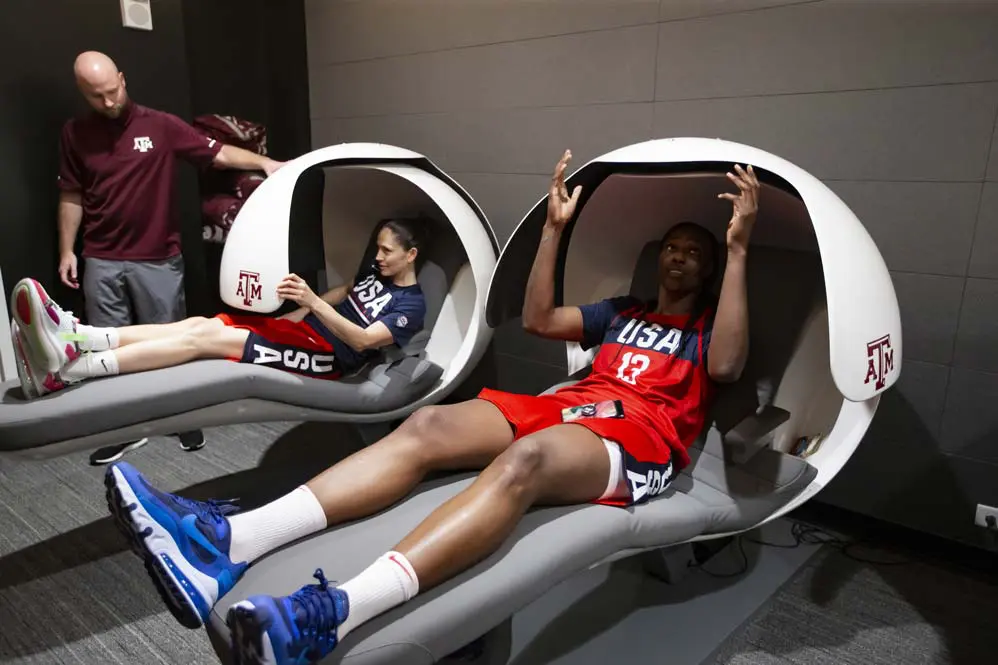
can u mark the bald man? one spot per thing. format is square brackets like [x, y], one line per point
[116, 181]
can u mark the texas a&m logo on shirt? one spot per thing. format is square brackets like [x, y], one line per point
[143, 144]
[369, 298]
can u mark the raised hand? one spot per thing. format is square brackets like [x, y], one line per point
[561, 206]
[745, 204]
[297, 290]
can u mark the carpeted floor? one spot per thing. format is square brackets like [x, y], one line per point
[71, 591]
[837, 611]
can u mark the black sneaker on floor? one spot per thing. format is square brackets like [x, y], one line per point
[114, 453]
[191, 441]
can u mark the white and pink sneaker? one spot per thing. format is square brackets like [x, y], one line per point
[48, 330]
[34, 382]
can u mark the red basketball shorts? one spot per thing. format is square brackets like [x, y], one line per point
[288, 345]
[640, 465]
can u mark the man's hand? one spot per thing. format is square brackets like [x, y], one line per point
[231, 157]
[745, 204]
[295, 288]
[272, 166]
[561, 207]
[67, 270]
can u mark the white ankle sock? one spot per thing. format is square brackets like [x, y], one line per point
[97, 339]
[90, 365]
[279, 522]
[387, 582]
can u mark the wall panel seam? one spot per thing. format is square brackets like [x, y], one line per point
[532, 361]
[649, 101]
[975, 460]
[656, 22]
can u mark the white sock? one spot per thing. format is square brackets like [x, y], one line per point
[279, 522]
[387, 582]
[90, 365]
[97, 339]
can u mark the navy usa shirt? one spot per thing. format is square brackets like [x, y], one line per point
[373, 298]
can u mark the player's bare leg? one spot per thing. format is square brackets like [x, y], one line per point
[565, 464]
[141, 333]
[462, 436]
[207, 338]
[469, 435]
[95, 338]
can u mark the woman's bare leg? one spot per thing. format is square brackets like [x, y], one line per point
[204, 338]
[458, 436]
[209, 338]
[468, 435]
[134, 334]
[96, 338]
[565, 464]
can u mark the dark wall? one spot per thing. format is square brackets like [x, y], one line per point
[39, 94]
[247, 58]
[240, 57]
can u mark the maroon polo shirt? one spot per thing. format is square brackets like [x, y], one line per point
[126, 169]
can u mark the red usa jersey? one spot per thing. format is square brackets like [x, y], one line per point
[658, 371]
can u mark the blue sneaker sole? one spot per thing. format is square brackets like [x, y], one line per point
[175, 599]
[249, 641]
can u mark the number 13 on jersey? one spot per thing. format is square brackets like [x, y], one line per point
[631, 365]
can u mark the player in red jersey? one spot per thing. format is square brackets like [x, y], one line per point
[617, 437]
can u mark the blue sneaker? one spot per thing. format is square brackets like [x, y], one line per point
[291, 630]
[185, 543]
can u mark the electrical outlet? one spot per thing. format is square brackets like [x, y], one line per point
[983, 512]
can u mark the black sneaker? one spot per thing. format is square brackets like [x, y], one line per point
[191, 441]
[114, 453]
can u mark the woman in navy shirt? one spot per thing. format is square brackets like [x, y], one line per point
[327, 337]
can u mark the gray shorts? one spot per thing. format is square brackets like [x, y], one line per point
[123, 293]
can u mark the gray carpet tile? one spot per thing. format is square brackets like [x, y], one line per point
[72, 592]
[837, 611]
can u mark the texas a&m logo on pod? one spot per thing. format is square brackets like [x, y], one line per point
[880, 361]
[249, 288]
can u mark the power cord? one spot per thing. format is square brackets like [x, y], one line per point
[741, 549]
[802, 534]
[992, 524]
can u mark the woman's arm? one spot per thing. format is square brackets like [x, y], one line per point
[333, 297]
[540, 316]
[729, 344]
[374, 336]
[729, 339]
